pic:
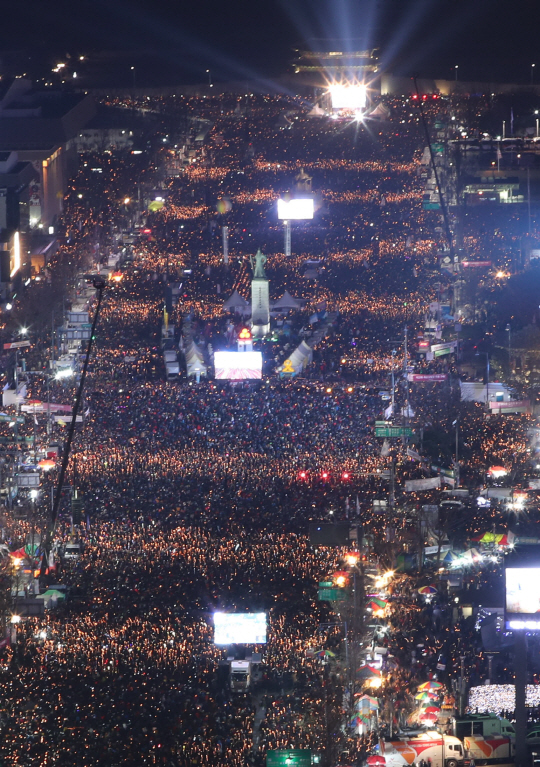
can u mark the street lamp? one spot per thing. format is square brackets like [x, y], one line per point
[479, 354]
[509, 331]
[456, 468]
[209, 73]
[532, 73]
[455, 71]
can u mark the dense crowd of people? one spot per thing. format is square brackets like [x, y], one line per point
[198, 496]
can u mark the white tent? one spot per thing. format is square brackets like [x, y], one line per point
[301, 357]
[287, 303]
[236, 303]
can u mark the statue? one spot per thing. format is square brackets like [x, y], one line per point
[257, 265]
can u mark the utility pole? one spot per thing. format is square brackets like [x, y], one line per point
[99, 284]
[406, 380]
[456, 468]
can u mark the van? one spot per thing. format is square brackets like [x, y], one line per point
[72, 550]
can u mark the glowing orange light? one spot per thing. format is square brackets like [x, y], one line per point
[245, 334]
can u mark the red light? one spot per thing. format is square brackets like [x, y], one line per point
[424, 97]
[345, 475]
[415, 95]
[302, 475]
[147, 231]
[434, 96]
[325, 475]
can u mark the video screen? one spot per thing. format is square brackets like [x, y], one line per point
[238, 366]
[295, 210]
[239, 628]
[348, 96]
[523, 590]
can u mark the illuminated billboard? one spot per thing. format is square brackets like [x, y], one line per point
[238, 366]
[523, 597]
[295, 210]
[240, 628]
[348, 96]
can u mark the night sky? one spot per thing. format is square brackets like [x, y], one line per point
[241, 39]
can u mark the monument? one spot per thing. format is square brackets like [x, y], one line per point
[260, 297]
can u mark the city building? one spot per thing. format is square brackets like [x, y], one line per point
[41, 126]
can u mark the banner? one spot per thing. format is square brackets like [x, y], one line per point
[509, 405]
[44, 407]
[413, 485]
[414, 455]
[17, 345]
[417, 377]
[475, 264]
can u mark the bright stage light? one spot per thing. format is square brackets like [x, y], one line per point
[348, 96]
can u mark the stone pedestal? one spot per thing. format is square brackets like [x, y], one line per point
[260, 307]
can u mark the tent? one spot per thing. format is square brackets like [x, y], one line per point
[498, 539]
[367, 672]
[300, 358]
[51, 597]
[286, 304]
[236, 303]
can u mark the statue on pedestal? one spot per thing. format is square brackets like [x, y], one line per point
[257, 264]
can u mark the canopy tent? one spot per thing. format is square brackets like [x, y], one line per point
[498, 539]
[299, 359]
[195, 364]
[430, 686]
[367, 672]
[286, 303]
[450, 557]
[236, 303]
[367, 702]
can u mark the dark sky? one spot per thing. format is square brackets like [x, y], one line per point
[240, 39]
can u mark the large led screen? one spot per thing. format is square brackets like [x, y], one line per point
[239, 628]
[348, 96]
[237, 366]
[295, 210]
[522, 593]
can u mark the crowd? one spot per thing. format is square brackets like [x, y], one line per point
[197, 497]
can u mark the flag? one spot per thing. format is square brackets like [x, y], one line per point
[499, 155]
[385, 449]
[414, 455]
[388, 412]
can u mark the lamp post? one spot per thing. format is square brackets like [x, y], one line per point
[456, 462]
[509, 331]
[479, 354]
[532, 73]
[210, 83]
[456, 67]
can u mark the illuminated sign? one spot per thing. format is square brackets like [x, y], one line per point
[242, 628]
[238, 366]
[244, 335]
[15, 260]
[523, 591]
[348, 96]
[294, 210]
